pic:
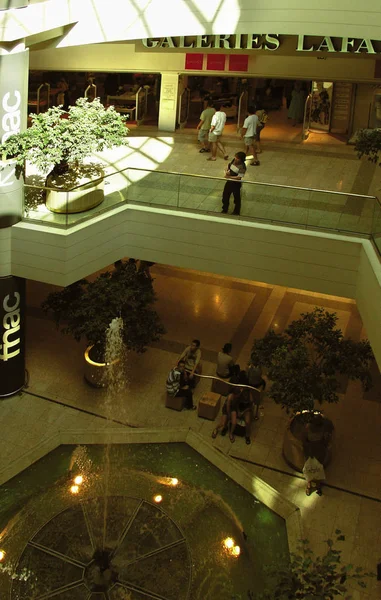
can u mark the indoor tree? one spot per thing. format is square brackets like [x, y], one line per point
[368, 143]
[85, 308]
[308, 576]
[305, 361]
[58, 141]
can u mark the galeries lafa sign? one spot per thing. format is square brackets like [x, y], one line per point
[270, 42]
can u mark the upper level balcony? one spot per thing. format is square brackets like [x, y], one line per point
[298, 236]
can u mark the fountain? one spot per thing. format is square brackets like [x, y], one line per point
[138, 521]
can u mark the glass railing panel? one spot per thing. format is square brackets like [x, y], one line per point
[153, 187]
[200, 193]
[262, 202]
[274, 203]
[46, 206]
[341, 212]
[376, 225]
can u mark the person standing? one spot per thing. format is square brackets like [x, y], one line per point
[234, 173]
[215, 133]
[204, 126]
[296, 109]
[262, 120]
[249, 133]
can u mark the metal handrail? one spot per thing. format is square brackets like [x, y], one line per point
[240, 385]
[265, 184]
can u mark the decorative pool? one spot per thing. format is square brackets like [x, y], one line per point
[148, 521]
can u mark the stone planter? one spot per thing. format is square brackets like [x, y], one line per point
[297, 435]
[89, 195]
[95, 372]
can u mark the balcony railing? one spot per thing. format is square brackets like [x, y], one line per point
[323, 210]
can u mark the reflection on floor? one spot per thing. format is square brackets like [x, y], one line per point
[216, 310]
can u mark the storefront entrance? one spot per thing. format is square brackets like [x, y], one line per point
[297, 110]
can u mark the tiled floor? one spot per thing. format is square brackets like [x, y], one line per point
[216, 310]
[316, 166]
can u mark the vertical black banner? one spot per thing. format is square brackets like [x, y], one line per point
[12, 335]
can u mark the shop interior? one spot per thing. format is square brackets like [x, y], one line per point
[136, 95]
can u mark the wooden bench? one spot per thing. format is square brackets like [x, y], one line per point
[209, 406]
[175, 402]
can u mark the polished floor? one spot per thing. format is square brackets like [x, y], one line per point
[160, 170]
[216, 310]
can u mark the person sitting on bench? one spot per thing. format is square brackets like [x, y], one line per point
[177, 385]
[191, 356]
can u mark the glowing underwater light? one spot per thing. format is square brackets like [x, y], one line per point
[158, 498]
[228, 543]
[74, 489]
[78, 480]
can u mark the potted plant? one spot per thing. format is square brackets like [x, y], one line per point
[85, 309]
[368, 143]
[58, 144]
[310, 577]
[304, 364]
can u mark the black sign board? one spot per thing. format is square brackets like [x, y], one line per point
[12, 335]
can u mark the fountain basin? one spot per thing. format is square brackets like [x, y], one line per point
[205, 508]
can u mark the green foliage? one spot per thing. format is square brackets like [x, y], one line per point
[368, 144]
[311, 577]
[56, 137]
[86, 309]
[305, 361]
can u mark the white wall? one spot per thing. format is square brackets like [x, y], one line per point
[307, 260]
[100, 20]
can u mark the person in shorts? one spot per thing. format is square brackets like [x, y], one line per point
[215, 133]
[249, 134]
[204, 126]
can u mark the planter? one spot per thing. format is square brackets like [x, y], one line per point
[299, 434]
[95, 371]
[89, 195]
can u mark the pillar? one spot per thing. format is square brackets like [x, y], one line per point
[13, 117]
[168, 101]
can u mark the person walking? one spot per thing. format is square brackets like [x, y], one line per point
[204, 126]
[314, 474]
[215, 133]
[249, 133]
[234, 173]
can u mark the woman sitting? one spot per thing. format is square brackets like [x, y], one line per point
[229, 415]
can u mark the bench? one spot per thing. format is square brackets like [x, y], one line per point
[175, 402]
[209, 406]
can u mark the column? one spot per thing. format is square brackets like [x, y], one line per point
[168, 101]
[14, 65]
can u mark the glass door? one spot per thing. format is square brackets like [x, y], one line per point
[307, 117]
[242, 108]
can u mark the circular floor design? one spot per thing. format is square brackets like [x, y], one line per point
[113, 548]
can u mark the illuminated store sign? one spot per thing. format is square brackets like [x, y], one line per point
[12, 335]
[270, 42]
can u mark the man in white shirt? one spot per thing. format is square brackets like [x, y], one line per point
[248, 133]
[215, 133]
